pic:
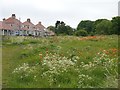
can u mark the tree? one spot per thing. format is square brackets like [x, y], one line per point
[104, 27]
[81, 32]
[57, 24]
[62, 23]
[69, 30]
[116, 25]
[96, 23]
[52, 28]
[62, 28]
[87, 25]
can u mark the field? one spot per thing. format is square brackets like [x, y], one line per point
[60, 62]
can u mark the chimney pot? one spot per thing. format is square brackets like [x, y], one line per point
[13, 16]
[28, 19]
[3, 19]
[39, 22]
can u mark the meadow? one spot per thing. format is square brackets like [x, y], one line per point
[60, 62]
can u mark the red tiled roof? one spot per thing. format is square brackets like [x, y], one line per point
[5, 26]
[14, 24]
[12, 21]
[28, 23]
[40, 26]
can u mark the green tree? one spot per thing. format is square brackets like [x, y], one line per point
[86, 25]
[57, 24]
[69, 30]
[116, 25]
[96, 23]
[62, 28]
[104, 27]
[56, 27]
[81, 32]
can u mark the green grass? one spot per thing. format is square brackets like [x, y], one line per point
[18, 50]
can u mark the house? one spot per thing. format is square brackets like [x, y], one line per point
[44, 31]
[13, 26]
[51, 33]
[41, 29]
[28, 27]
[5, 29]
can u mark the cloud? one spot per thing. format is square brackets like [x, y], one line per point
[69, 11]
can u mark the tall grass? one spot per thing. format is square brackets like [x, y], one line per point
[60, 62]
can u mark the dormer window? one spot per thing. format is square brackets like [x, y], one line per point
[28, 27]
[11, 25]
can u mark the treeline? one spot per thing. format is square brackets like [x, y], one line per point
[88, 27]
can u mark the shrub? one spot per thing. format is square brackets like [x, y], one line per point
[81, 33]
[92, 33]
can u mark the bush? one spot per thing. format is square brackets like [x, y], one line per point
[92, 33]
[81, 33]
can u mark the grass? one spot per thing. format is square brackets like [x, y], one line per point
[60, 62]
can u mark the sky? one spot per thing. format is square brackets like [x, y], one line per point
[49, 11]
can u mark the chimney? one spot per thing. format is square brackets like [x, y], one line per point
[28, 20]
[39, 22]
[13, 16]
[3, 19]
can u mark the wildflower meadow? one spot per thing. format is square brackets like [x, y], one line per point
[60, 62]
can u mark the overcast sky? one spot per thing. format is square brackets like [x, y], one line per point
[49, 11]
